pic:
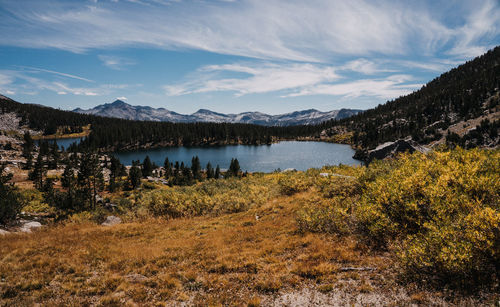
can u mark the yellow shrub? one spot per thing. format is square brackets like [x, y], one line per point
[213, 196]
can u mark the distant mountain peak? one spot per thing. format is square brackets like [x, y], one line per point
[118, 103]
[121, 109]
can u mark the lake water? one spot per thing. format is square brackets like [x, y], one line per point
[262, 158]
[65, 142]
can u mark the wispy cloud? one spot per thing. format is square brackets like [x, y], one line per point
[292, 81]
[28, 82]
[261, 78]
[385, 88]
[35, 69]
[365, 66]
[277, 29]
[115, 62]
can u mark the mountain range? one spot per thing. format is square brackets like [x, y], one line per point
[121, 109]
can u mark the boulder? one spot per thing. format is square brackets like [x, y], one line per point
[28, 226]
[391, 149]
[112, 220]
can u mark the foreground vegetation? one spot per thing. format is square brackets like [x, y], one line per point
[418, 229]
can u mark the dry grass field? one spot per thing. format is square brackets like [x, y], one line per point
[274, 246]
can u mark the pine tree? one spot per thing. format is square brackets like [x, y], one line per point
[196, 168]
[10, 202]
[176, 170]
[210, 171]
[116, 171]
[43, 147]
[36, 175]
[90, 177]
[217, 172]
[168, 168]
[134, 177]
[68, 177]
[54, 156]
[147, 167]
[28, 149]
[234, 168]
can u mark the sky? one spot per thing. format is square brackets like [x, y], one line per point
[231, 56]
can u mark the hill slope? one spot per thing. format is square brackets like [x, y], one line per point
[120, 109]
[463, 96]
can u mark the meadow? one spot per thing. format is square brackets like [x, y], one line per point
[419, 229]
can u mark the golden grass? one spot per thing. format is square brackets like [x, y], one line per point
[230, 259]
[283, 246]
[61, 135]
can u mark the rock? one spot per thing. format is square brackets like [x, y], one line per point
[28, 226]
[136, 278]
[112, 220]
[4, 232]
[390, 149]
[324, 174]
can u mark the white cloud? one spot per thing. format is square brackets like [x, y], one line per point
[314, 31]
[115, 62]
[474, 37]
[291, 80]
[121, 98]
[262, 78]
[35, 69]
[28, 82]
[387, 88]
[365, 66]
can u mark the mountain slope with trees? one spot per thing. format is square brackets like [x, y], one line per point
[470, 91]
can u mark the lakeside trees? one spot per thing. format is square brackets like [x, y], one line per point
[10, 204]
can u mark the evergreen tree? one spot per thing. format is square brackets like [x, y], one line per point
[217, 172]
[234, 168]
[196, 168]
[90, 177]
[168, 168]
[28, 147]
[134, 177]
[54, 156]
[210, 171]
[116, 171]
[10, 201]
[37, 173]
[147, 167]
[68, 177]
[43, 147]
[176, 170]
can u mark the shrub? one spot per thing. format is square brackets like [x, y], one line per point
[212, 196]
[439, 211]
[443, 208]
[320, 215]
[295, 182]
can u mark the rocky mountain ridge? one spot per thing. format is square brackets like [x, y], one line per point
[121, 109]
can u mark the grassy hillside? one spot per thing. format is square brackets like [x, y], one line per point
[421, 229]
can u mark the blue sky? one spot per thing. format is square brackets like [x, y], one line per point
[273, 56]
